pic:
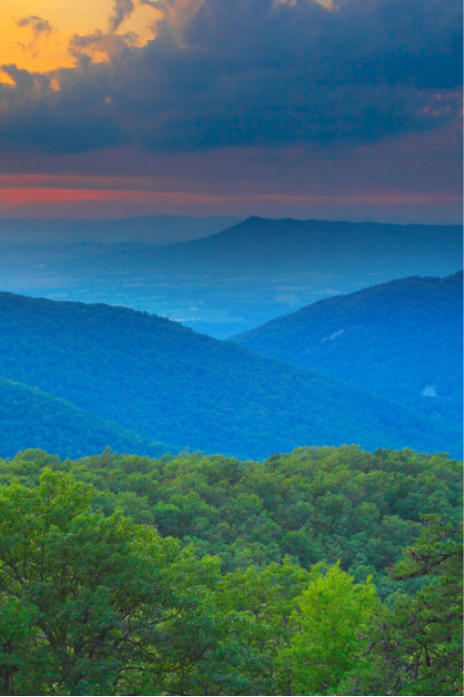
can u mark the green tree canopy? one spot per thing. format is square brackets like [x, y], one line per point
[103, 600]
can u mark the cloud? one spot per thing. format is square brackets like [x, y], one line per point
[328, 4]
[100, 44]
[178, 14]
[121, 11]
[224, 73]
[38, 25]
[40, 28]
[175, 13]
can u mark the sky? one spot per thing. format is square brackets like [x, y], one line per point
[282, 108]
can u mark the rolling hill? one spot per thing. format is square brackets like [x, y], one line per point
[402, 340]
[169, 384]
[30, 418]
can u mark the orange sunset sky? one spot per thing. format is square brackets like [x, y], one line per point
[47, 50]
[239, 143]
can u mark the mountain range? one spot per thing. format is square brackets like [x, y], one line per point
[230, 281]
[153, 229]
[158, 379]
[260, 245]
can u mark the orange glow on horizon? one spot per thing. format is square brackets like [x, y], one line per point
[44, 195]
[26, 195]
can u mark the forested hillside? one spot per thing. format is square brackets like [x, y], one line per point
[169, 384]
[314, 504]
[401, 339]
[334, 572]
[31, 418]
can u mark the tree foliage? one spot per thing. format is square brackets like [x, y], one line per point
[314, 504]
[100, 598]
[93, 602]
[333, 617]
[417, 646]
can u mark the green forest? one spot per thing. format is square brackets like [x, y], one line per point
[325, 571]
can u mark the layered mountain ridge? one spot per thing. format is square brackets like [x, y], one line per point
[165, 382]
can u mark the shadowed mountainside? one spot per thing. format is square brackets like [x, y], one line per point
[401, 339]
[30, 418]
[166, 382]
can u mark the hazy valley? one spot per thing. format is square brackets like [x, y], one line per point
[231, 281]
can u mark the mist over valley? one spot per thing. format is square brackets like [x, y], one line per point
[228, 282]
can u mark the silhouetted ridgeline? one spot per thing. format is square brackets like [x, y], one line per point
[263, 246]
[228, 282]
[153, 229]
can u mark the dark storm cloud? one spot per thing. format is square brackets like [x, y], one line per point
[244, 72]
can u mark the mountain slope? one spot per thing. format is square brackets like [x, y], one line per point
[260, 245]
[30, 418]
[168, 383]
[401, 339]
